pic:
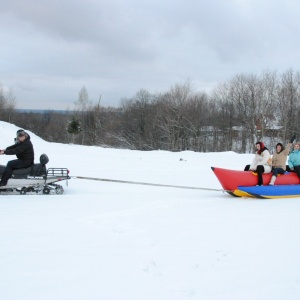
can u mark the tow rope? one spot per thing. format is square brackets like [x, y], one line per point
[151, 184]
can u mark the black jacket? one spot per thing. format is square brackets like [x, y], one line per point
[23, 150]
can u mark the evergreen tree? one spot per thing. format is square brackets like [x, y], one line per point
[74, 127]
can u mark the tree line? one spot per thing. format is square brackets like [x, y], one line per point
[232, 117]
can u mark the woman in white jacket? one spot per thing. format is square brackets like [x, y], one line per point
[262, 162]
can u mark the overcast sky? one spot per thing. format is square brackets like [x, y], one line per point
[51, 49]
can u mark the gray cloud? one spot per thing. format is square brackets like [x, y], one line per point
[50, 49]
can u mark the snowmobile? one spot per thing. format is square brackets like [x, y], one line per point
[36, 179]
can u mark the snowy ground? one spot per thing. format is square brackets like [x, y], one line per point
[103, 240]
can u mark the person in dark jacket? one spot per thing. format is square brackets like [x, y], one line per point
[23, 149]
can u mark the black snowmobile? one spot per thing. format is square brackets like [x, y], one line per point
[36, 179]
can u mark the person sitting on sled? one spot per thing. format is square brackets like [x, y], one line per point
[261, 163]
[294, 159]
[24, 151]
[279, 159]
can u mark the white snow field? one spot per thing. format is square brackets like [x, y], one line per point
[117, 241]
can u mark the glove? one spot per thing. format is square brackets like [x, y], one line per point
[293, 139]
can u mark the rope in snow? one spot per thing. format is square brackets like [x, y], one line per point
[151, 184]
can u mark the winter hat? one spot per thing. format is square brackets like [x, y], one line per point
[21, 133]
[19, 130]
[262, 146]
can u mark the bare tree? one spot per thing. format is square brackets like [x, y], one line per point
[288, 101]
[7, 104]
[82, 106]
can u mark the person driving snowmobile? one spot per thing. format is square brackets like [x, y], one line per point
[24, 151]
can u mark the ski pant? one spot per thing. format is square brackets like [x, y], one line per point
[11, 166]
[297, 170]
[259, 170]
[277, 171]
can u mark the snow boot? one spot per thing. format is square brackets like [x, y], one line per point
[272, 180]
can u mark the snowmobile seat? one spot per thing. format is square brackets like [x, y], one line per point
[40, 169]
[34, 170]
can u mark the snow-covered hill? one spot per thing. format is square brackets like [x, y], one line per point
[104, 240]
